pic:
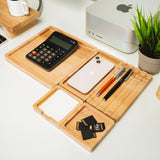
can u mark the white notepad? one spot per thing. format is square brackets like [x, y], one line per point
[59, 105]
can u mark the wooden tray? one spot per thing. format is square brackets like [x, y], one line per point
[69, 126]
[68, 123]
[158, 92]
[16, 25]
[117, 62]
[121, 100]
[37, 105]
[49, 79]
[124, 96]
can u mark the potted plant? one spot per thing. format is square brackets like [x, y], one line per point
[147, 30]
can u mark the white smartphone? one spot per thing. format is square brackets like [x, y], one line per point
[90, 74]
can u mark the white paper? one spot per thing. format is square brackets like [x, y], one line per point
[59, 105]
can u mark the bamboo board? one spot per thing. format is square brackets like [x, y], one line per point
[124, 96]
[69, 126]
[49, 79]
[122, 99]
[89, 104]
[37, 105]
[68, 123]
[158, 93]
[16, 25]
[99, 53]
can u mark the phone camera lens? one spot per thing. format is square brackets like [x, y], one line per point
[97, 57]
[98, 61]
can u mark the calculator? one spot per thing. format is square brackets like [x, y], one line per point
[53, 51]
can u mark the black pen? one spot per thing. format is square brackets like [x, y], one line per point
[118, 84]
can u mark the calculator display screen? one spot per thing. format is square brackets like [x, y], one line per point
[60, 42]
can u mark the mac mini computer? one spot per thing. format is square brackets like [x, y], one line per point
[109, 21]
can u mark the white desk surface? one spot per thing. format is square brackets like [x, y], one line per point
[25, 135]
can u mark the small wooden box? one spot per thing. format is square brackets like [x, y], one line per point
[68, 123]
[16, 25]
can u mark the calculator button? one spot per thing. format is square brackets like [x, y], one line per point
[60, 53]
[34, 57]
[53, 54]
[47, 46]
[45, 54]
[46, 59]
[49, 52]
[63, 51]
[44, 49]
[56, 51]
[30, 55]
[43, 62]
[41, 52]
[39, 60]
[37, 54]
[40, 47]
[34, 52]
[42, 57]
[50, 57]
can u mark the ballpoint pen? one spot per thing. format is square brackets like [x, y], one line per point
[118, 84]
[119, 73]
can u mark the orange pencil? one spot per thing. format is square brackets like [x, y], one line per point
[120, 72]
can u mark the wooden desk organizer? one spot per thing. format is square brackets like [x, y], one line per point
[16, 25]
[68, 123]
[49, 79]
[109, 112]
[158, 93]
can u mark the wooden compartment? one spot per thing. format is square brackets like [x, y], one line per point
[69, 126]
[49, 79]
[117, 62]
[46, 97]
[124, 96]
[68, 122]
[88, 104]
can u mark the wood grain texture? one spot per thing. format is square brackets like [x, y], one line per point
[16, 25]
[37, 105]
[49, 79]
[69, 126]
[68, 123]
[158, 93]
[99, 53]
[124, 96]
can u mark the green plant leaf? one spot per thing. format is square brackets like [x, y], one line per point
[157, 49]
[137, 32]
[147, 31]
[156, 22]
[143, 27]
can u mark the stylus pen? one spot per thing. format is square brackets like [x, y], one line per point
[118, 84]
[119, 73]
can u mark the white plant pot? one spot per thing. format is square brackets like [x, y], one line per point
[150, 65]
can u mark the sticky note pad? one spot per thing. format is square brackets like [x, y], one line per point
[59, 105]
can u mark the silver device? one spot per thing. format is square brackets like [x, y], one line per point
[109, 21]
